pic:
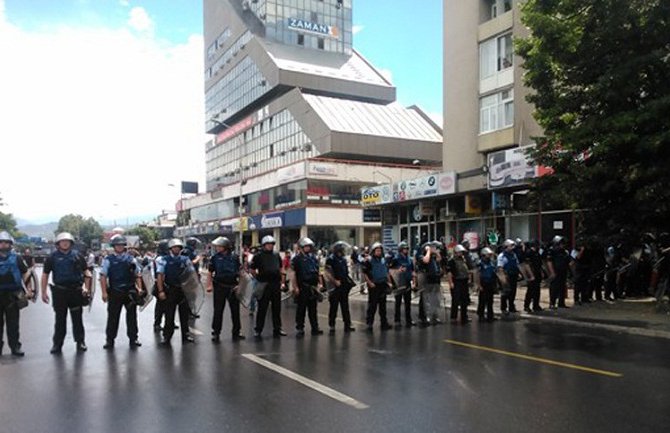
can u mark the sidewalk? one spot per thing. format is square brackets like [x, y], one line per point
[640, 316]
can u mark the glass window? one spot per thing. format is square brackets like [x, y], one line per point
[496, 111]
[495, 55]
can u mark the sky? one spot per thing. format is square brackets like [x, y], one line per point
[102, 104]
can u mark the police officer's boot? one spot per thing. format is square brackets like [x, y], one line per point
[16, 351]
[109, 345]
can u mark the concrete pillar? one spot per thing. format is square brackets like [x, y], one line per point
[254, 238]
[276, 233]
[303, 231]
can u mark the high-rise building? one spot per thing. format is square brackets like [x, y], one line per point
[301, 121]
[488, 128]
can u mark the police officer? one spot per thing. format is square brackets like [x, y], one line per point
[170, 269]
[508, 266]
[429, 262]
[162, 250]
[533, 260]
[266, 267]
[337, 274]
[558, 263]
[190, 252]
[309, 283]
[403, 262]
[487, 285]
[376, 274]
[459, 279]
[224, 273]
[582, 260]
[69, 273]
[121, 287]
[13, 271]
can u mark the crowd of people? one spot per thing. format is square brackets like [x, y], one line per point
[311, 275]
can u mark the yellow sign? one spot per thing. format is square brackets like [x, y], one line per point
[473, 205]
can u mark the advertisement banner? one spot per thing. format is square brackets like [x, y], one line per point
[510, 167]
[272, 220]
[292, 172]
[315, 28]
[322, 169]
[376, 195]
[426, 186]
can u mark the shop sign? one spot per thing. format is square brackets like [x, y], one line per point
[426, 186]
[292, 172]
[510, 167]
[376, 195]
[372, 215]
[270, 221]
[322, 169]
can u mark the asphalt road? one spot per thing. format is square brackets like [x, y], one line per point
[516, 376]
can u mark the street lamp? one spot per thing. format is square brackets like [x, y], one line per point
[240, 208]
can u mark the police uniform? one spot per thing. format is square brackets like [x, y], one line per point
[306, 267]
[432, 289]
[121, 272]
[268, 266]
[339, 295]
[377, 272]
[560, 260]
[460, 295]
[487, 282]
[509, 262]
[12, 269]
[225, 270]
[172, 267]
[401, 260]
[68, 277]
[534, 261]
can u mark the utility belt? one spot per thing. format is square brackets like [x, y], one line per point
[124, 289]
[311, 291]
[226, 282]
[76, 289]
[66, 287]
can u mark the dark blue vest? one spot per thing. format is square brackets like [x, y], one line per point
[487, 271]
[121, 272]
[378, 270]
[10, 266]
[226, 268]
[65, 269]
[339, 266]
[174, 269]
[512, 265]
[306, 269]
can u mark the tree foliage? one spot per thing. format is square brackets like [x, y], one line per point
[147, 235]
[7, 222]
[599, 74]
[83, 229]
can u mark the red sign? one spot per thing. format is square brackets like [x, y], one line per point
[234, 129]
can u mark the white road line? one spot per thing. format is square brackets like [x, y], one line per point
[316, 386]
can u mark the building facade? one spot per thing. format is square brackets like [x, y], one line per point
[301, 121]
[488, 128]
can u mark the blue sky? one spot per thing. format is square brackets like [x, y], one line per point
[103, 78]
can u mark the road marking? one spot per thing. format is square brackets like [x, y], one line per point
[325, 316]
[534, 358]
[316, 386]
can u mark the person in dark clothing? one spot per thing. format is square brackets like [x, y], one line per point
[459, 279]
[582, 259]
[376, 274]
[403, 262]
[13, 271]
[508, 266]
[169, 270]
[266, 266]
[224, 274]
[121, 286]
[308, 287]
[533, 260]
[337, 277]
[558, 262]
[70, 272]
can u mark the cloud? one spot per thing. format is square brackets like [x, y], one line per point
[140, 20]
[124, 3]
[357, 29]
[100, 116]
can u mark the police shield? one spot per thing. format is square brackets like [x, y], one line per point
[400, 282]
[32, 287]
[95, 281]
[244, 290]
[148, 281]
[194, 291]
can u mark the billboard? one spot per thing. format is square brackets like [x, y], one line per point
[510, 167]
[189, 187]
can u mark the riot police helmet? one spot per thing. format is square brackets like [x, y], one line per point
[305, 242]
[5, 236]
[64, 236]
[268, 240]
[119, 240]
[175, 243]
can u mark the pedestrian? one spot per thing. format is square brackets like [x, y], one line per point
[376, 274]
[28, 258]
[487, 285]
[337, 277]
[70, 273]
[508, 268]
[266, 267]
[459, 279]
[533, 260]
[355, 265]
[308, 286]
[13, 271]
[429, 263]
[169, 271]
[403, 263]
[558, 263]
[120, 283]
[224, 277]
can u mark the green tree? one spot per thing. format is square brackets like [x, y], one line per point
[598, 73]
[83, 229]
[147, 235]
[7, 222]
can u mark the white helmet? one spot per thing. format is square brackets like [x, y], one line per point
[175, 243]
[5, 236]
[306, 242]
[268, 240]
[221, 241]
[508, 243]
[486, 251]
[65, 236]
[557, 240]
[459, 248]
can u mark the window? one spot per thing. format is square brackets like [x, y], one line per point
[496, 111]
[495, 55]
[301, 39]
[322, 43]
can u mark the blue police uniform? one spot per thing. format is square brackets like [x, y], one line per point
[11, 269]
[399, 261]
[225, 270]
[173, 268]
[121, 271]
[377, 271]
[339, 296]
[306, 268]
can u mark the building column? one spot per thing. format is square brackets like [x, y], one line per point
[254, 238]
[303, 231]
[276, 233]
[360, 236]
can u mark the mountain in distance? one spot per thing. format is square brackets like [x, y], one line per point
[38, 230]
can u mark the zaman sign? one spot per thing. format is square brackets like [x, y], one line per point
[310, 27]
